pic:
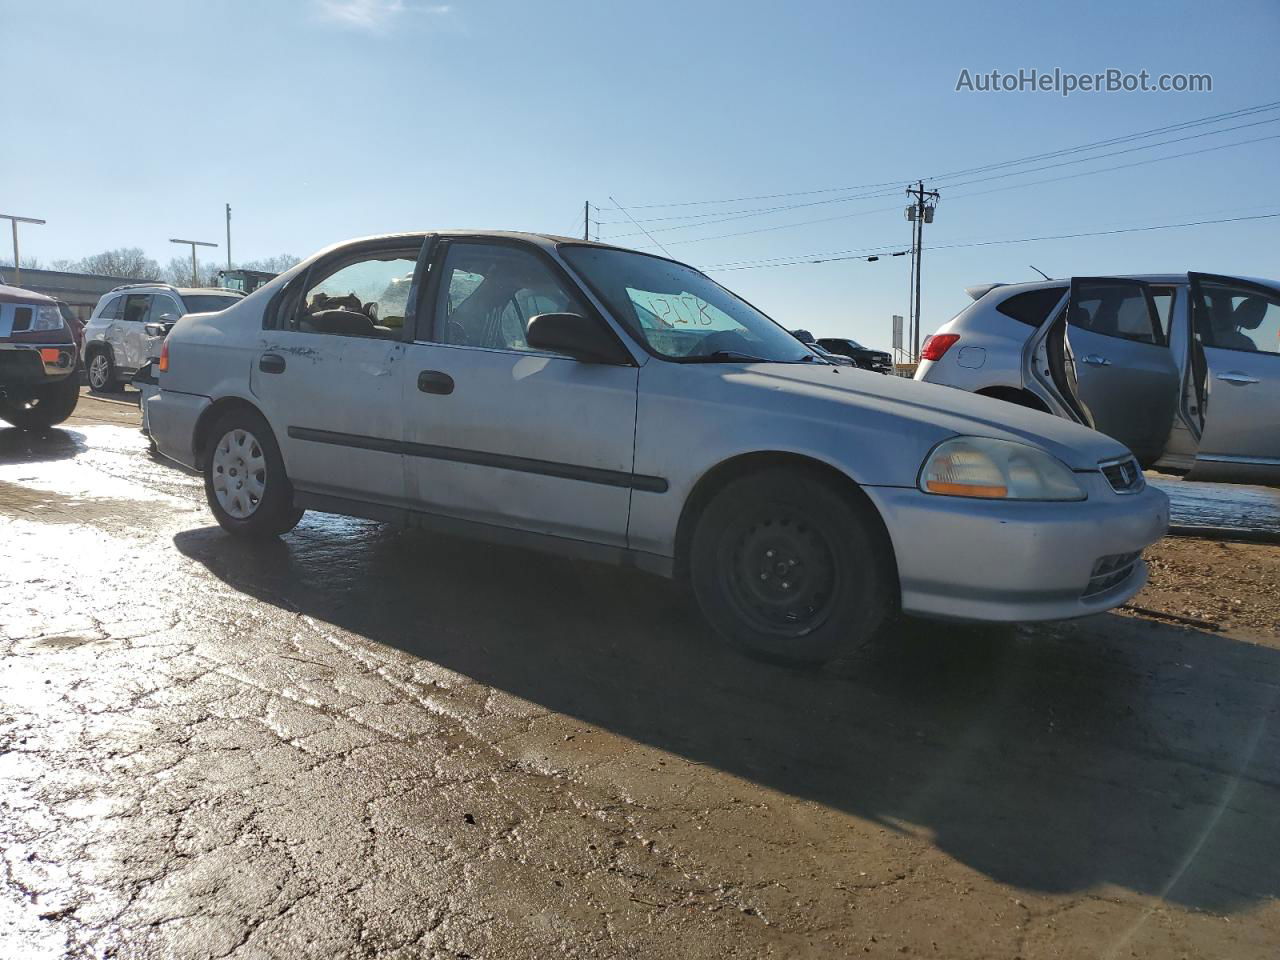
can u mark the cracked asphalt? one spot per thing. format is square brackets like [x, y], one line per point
[359, 742]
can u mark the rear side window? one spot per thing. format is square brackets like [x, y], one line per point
[112, 310]
[1032, 307]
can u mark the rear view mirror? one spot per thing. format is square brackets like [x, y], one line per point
[586, 339]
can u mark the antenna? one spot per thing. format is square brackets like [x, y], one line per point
[1039, 271]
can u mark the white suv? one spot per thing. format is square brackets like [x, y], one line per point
[130, 322]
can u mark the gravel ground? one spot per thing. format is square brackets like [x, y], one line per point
[358, 742]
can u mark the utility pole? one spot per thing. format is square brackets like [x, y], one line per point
[228, 237]
[919, 213]
[195, 270]
[586, 220]
[14, 221]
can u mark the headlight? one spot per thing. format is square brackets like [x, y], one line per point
[48, 317]
[997, 470]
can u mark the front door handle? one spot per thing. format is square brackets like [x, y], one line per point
[1238, 378]
[271, 363]
[435, 381]
[1094, 360]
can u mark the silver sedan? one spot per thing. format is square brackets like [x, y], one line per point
[586, 399]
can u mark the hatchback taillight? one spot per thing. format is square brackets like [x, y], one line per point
[164, 355]
[936, 345]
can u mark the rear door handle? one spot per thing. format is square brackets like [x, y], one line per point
[435, 381]
[1094, 360]
[1238, 378]
[271, 363]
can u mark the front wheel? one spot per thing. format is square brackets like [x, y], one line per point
[788, 567]
[245, 480]
[43, 406]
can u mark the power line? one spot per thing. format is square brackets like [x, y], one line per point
[1065, 151]
[746, 214]
[1014, 186]
[991, 243]
[646, 232]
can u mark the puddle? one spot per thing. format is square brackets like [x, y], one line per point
[1229, 506]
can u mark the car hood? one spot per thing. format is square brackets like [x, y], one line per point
[940, 411]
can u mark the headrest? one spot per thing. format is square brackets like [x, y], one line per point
[1249, 312]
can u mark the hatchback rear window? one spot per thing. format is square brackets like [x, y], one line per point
[1033, 306]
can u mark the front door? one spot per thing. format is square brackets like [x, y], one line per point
[1108, 362]
[326, 373]
[499, 433]
[1237, 324]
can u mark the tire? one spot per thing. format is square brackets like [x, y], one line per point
[46, 405]
[101, 371]
[245, 480]
[787, 567]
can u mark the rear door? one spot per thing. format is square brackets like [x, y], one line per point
[1106, 359]
[1237, 325]
[130, 343]
[326, 374]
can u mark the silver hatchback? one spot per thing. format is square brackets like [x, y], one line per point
[1184, 369]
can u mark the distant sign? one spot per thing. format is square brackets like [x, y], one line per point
[897, 332]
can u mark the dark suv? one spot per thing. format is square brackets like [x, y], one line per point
[38, 382]
[863, 357]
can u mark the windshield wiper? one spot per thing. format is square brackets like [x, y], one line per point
[727, 356]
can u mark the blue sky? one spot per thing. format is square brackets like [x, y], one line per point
[320, 120]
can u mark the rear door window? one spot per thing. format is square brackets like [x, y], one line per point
[1115, 310]
[136, 306]
[1163, 298]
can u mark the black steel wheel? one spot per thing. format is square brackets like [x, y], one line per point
[788, 566]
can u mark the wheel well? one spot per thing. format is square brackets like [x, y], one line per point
[1023, 398]
[92, 348]
[722, 474]
[210, 416]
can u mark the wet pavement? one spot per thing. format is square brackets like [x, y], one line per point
[358, 742]
[1229, 507]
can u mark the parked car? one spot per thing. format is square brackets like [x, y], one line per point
[807, 338]
[131, 321]
[610, 404]
[1184, 369]
[863, 357]
[38, 386]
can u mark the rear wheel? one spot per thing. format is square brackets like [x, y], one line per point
[101, 372]
[41, 406]
[244, 478]
[788, 567]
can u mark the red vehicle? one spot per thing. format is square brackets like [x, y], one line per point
[38, 359]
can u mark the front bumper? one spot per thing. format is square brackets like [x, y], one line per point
[26, 364]
[1005, 561]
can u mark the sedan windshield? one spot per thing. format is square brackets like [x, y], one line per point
[206, 302]
[680, 313]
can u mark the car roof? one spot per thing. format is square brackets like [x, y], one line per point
[978, 291]
[10, 294]
[548, 241]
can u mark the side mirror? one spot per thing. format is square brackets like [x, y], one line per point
[169, 318]
[153, 329]
[582, 338]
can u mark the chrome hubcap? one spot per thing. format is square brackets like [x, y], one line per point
[98, 371]
[239, 473]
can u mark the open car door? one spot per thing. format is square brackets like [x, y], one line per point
[1105, 361]
[1236, 326]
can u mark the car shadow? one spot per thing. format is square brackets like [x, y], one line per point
[1057, 758]
[32, 446]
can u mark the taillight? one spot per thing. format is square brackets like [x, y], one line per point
[935, 346]
[164, 355]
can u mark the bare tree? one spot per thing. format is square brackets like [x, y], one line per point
[277, 264]
[178, 272]
[127, 262]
